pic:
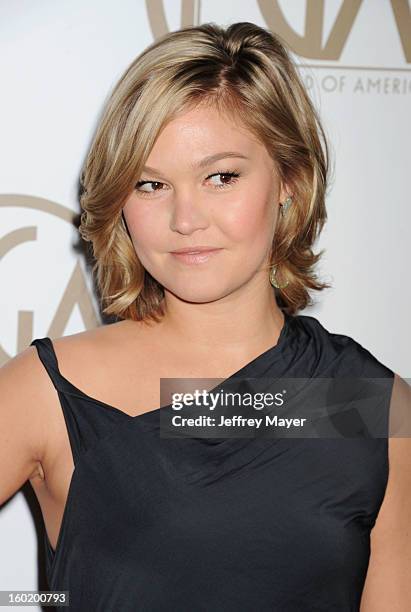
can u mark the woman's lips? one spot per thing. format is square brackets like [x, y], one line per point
[196, 257]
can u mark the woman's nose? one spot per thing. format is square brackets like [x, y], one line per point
[188, 213]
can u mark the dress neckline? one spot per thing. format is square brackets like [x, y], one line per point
[277, 348]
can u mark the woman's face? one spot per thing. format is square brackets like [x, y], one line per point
[182, 200]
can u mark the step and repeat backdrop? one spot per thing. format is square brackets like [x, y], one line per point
[58, 63]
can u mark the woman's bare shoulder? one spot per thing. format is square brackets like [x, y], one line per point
[98, 360]
[100, 343]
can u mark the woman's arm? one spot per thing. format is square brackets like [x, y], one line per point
[23, 393]
[388, 582]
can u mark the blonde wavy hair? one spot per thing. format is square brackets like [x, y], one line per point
[245, 71]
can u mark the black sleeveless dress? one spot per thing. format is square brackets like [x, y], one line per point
[155, 524]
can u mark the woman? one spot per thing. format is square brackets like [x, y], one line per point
[208, 141]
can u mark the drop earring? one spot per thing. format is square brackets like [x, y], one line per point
[285, 205]
[273, 280]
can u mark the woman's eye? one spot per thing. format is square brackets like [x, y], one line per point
[144, 183]
[230, 177]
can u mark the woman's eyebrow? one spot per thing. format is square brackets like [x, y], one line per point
[206, 161]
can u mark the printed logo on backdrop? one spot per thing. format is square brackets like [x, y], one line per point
[334, 77]
[76, 291]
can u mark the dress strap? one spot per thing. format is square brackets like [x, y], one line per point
[87, 420]
[48, 358]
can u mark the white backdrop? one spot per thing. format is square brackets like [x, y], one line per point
[58, 63]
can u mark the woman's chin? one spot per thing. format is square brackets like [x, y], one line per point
[199, 294]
